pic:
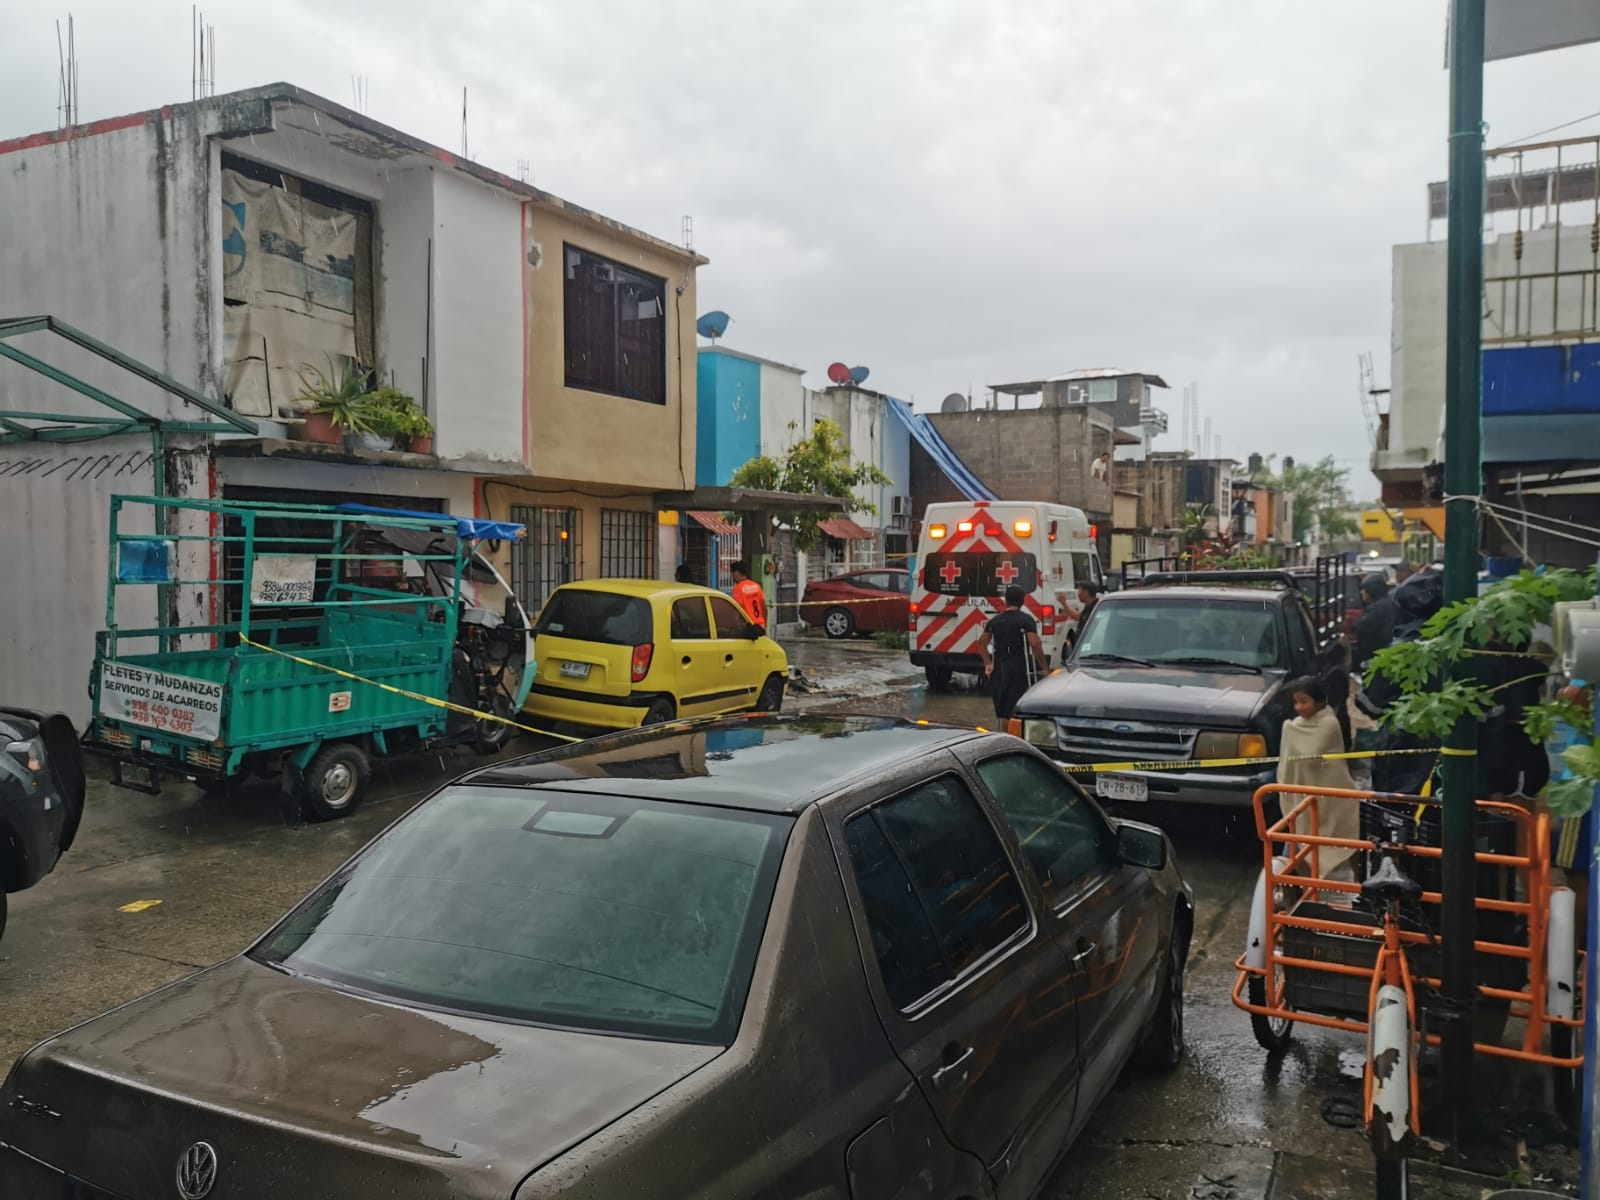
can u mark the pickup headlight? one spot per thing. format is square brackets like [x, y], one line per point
[1213, 744]
[1039, 732]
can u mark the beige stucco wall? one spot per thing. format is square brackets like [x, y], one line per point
[588, 436]
[497, 496]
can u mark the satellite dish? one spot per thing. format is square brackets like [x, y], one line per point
[713, 325]
[954, 402]
[859, 374]
[839, 373]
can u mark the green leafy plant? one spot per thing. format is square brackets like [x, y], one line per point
[341, 395]
[393, 413]
[818, 465]
[1430, 704]
[891, 639]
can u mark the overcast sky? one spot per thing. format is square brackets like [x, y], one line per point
[951, 193]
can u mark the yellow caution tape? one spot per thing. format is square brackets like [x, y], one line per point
[1070, 768]
[417, 696]
[1200, 763]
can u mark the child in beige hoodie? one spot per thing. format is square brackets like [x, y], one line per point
[1314, 730]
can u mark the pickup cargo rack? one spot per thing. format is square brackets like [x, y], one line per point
[1324, 583]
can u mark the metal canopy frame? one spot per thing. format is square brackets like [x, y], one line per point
[128, 418]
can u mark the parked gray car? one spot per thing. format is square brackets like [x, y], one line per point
[759, 957]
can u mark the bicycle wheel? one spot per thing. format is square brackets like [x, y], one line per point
[1394, 1179]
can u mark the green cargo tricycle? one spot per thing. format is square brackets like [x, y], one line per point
[297, 641]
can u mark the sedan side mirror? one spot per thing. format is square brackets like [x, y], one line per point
[754, 632]
[1142, 845]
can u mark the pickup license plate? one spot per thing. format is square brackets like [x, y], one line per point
[1121, 787]
[574, 670]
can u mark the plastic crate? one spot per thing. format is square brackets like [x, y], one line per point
[1325, 992]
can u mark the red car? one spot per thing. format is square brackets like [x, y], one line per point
[860, 602]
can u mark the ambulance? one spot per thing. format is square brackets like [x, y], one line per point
[970, 552]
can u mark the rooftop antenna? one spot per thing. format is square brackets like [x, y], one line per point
[203, 56]
[524, 170]
[67, 88]
[358, 93]
[688, 232]
[464, 152]
[1205, 439]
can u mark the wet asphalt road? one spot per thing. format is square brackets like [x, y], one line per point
[1227, 1125]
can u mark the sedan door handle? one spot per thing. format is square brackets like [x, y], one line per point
[687, 660]
[1085, 952]
[955, 1070]
[727, 658]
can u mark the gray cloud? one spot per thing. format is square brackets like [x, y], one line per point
[950, 192]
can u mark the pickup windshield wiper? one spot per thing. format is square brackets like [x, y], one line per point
[1201, 660]
[1121, 658]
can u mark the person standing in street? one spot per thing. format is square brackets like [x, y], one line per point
[1009, 641]
[1088, 596]
[749, 595]
[1375, 629]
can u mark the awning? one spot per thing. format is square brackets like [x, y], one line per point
[748, 500]
[712, 523]
[471, 528]
[844, 529]
[124, 416]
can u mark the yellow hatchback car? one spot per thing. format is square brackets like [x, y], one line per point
[620, 653]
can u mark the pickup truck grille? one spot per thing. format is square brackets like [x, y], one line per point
[1084, 739]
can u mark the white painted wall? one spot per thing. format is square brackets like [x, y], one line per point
[112, 234]
[477, 380]
[783, 404]
[404, 225]
[1417, 359]
[53, 540]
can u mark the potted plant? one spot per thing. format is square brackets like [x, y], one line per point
[334, 404]
[394, 413]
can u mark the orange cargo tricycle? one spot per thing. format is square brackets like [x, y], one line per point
[1362, 954]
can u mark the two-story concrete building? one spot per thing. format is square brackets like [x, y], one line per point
[242, 241]
[1541, 348]
[751, 406]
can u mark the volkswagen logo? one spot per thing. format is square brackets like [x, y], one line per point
[197, 1171]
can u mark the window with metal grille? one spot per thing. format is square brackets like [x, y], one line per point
[551, 554]
[627, 544]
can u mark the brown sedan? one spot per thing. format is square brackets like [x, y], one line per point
[772, 957]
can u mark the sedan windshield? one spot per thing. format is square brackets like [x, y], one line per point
[592, 912]
[1189, 628]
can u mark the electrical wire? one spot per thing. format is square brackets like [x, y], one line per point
[1529, 137]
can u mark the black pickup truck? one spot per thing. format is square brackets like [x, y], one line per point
[1184, 665]
[42, 789]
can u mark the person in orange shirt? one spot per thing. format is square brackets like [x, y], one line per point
[749, 595]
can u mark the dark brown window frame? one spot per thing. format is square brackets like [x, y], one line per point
[572, 316]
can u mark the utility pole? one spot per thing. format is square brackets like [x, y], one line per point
[1463, 482]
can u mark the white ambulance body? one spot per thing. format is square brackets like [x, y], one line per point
[970, 552]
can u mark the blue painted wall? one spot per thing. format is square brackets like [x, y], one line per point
[728, 391]
[1541, 403]
[1541, 379]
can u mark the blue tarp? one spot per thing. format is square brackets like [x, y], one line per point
[471, 528]
[926, 436]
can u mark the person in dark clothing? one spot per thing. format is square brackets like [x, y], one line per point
[1088, 597]
[1009, 641]
[1414, 602]
[1376, 626]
